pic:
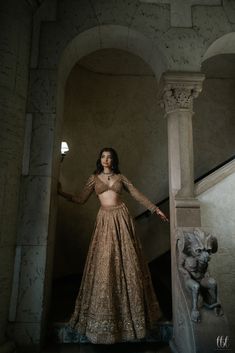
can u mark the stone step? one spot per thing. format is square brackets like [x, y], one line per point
[60, 332]
[142, 347]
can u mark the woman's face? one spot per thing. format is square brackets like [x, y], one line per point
[106, 159]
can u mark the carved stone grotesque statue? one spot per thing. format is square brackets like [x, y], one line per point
[194, 251]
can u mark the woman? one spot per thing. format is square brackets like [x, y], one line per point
[116, 301]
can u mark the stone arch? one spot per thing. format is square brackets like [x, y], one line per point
[104, 37]
[53, 80]
[98, 38]
[111, 36]
[222, 45]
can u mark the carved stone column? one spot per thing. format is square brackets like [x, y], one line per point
[178, 92]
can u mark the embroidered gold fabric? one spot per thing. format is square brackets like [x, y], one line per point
[116, 301]
[121, 183]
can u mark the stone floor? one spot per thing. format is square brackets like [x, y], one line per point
[115, 348]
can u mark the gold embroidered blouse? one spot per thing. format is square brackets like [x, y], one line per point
[94, 183]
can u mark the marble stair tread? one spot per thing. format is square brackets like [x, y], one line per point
[60, 332]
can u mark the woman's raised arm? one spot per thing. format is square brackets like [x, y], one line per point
[83, 196]
[142, 199]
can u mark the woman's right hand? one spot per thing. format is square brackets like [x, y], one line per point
[59, 188]
[64, 194]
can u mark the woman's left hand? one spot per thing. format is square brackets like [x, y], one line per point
[161, 215]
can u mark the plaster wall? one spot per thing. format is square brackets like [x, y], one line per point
[110, 100]
[213, 122]
[217, 212]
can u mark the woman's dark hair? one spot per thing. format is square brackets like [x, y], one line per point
[115, 161]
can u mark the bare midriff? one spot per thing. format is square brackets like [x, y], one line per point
[109, 198]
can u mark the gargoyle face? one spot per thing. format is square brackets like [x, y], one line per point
[196, 248]
[199, 244]
[200, 253]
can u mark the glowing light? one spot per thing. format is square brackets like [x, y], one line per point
[64, 148]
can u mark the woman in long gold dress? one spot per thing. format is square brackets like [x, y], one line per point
[116, 301]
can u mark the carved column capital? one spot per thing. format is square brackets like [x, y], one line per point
[178, 90]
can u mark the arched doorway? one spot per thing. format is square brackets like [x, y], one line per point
[105, 106]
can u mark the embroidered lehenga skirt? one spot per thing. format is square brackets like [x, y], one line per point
[116, 301]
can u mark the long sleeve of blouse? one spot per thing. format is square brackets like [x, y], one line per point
[86, 192]
[89, 187]
[137, 195]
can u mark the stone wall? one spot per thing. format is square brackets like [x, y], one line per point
[148, 30]
[15, 35]
[218, 209]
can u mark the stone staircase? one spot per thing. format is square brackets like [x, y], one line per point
[60, 332]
